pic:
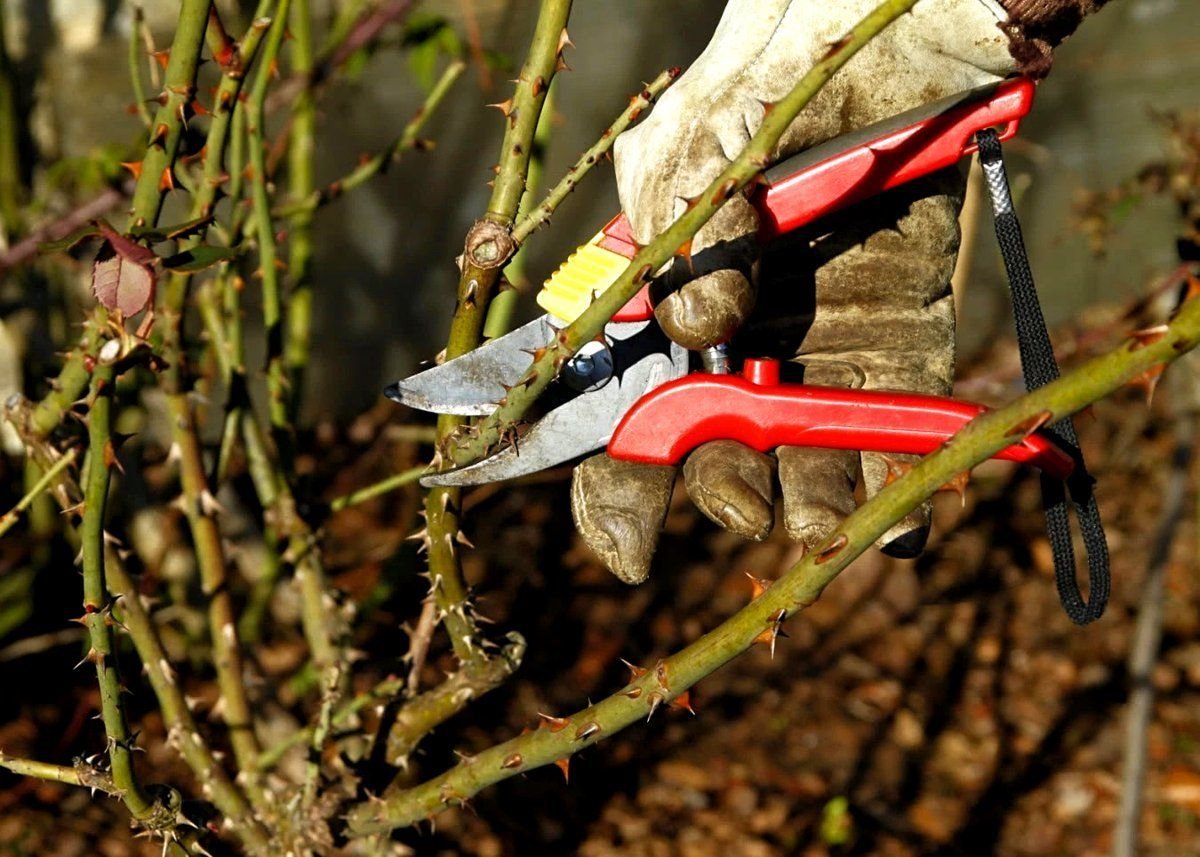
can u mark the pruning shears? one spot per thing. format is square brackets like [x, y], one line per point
[635, 392]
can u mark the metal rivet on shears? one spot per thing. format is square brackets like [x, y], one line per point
[590, 369]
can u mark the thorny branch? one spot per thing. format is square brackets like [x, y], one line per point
[1142, 356]
[488, 246]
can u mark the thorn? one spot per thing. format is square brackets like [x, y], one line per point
[773, 631]
[134, 167]
[587, 730]
[896, 469]
[564, 41]
[539, 86]
[757, 585]
[1147, 336]
[635, 671]
[685, 252]
[209, 504]
[633, 692]
[837, 46]
[162, 57]
[684, 701]
[462, 539]
[159, 137]
[554, 724]
[513, 761]
[564, 765]
[656, 699]
[727, 189]
[505, 107]
[92, 657]
[959, 486]
[834, 548]
[1028, 426]
[1148, 380]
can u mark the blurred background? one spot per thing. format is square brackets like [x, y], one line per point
[938, 706]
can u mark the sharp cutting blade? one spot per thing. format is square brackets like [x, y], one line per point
[471, 385]
[644, 359]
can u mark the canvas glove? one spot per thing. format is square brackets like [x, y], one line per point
[860, 300]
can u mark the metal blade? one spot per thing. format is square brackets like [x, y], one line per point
[586, 421]
[471, 385]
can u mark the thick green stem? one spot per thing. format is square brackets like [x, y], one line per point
[166, 129]
[58, 773]
[504, 304]
[200, 508]
[1141, 356]
[488, 247]
[733, 180]
[97, 616]
[184, 733]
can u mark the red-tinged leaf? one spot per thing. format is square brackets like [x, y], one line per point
[199, 258]
[126, 247]
[120, 283]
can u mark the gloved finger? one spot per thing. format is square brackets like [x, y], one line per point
[906, 538]
[708, 293]
[734, 486]
[818, 490]
[619, 507]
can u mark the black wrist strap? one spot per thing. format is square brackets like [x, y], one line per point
[1040, 368]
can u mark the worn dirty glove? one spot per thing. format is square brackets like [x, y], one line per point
[862, 300]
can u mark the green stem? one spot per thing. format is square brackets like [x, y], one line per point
[183, 731]
[48, 478]
[753, 159]
[504, 304]
[488, 247]
[309, 202]
[97, 617]
[392, 483]
[135, 56]
[10, 152]
[200, 510]
[799, 587]
[641, 102]
[301, 183]
[57, 773]
[268, 254]
[166, 129]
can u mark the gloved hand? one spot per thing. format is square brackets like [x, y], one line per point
[879, 280]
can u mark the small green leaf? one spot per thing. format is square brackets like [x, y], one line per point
[199, 258]
[68, 241]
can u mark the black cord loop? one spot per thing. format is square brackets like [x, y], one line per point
[1040, 368]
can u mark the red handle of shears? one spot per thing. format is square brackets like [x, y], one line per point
[800, 191]
[756, 409]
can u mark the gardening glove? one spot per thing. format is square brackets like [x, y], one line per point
[862, 301]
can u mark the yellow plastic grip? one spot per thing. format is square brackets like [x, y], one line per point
[587, 272]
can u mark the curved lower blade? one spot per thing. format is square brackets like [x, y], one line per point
[585, 422]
